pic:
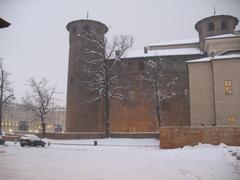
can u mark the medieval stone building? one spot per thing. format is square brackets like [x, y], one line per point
[214, 82]
[81, 116]
[136, 112]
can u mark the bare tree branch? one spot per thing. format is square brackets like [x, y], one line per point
[162, 87]
[6, 91]
[40, 99]
[102, 69]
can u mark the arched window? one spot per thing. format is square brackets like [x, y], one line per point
[86, 28]
[166, 106]
[141, 66]
[223, 25]
[211, 26]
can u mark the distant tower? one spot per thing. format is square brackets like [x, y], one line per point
[215, 25]
[80, 116]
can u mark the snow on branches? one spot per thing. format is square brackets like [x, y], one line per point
[163, 88]
[100, 70]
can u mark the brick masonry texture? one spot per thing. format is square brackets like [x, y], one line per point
[89, 135]
[176, 137]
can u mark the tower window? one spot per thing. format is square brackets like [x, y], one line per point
[231, 119]
[228, 87]
[74, 29]
[131, 97]
[86, 28]
[166, 106]
[211, 26]
[141, 66]
[223, 25]
[130, 66]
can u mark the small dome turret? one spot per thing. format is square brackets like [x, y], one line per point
[215, 25]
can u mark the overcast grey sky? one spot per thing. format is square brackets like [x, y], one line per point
[36, 43]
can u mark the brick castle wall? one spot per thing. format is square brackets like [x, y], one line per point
[176, 137]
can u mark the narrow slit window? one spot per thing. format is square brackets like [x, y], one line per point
[228, 87]
[211, 26]
[223, 25]
[141, 66]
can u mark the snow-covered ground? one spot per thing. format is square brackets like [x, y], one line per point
[118, 159]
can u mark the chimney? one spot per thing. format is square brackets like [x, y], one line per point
[117, 53]
[145, 50]
[212, 53]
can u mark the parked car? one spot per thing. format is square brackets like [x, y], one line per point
[31, 140]
[2, 141]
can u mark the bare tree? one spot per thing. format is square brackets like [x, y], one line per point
[40, 100]
[6, 91]
[163, 87]
[103, 77]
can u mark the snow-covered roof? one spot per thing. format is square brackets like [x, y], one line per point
[163, 52]
[208, 59]
[176, 42]
[223, 36]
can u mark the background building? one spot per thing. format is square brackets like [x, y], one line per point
[16, 118]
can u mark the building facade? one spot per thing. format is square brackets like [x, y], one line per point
[213, 81]
[16, 118]
[80, 115]
[136, 112]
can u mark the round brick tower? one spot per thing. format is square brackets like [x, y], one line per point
[80, 115]
[215, 25]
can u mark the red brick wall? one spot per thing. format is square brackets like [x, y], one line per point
[175, 137]
[89, 135]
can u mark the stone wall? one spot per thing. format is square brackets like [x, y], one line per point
[176, 137]
[99, 135]
[201, 91]
[80, 115]
[136, 112]
[209, 103]
[89, 135]
[227, 105]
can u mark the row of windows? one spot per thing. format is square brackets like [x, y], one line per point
[86, 28]
[166, 66]
[230, 120]
[9, 123]
[211, 26]
[141, 66]
[131, 96]
[12, 123]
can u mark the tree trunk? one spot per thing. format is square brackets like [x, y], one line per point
[157, 102]
[158, 114]
[0, 116]
[1, 98]
[106, 115]
[43, 128]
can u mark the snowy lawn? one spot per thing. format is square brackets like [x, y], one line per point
[118, 159]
